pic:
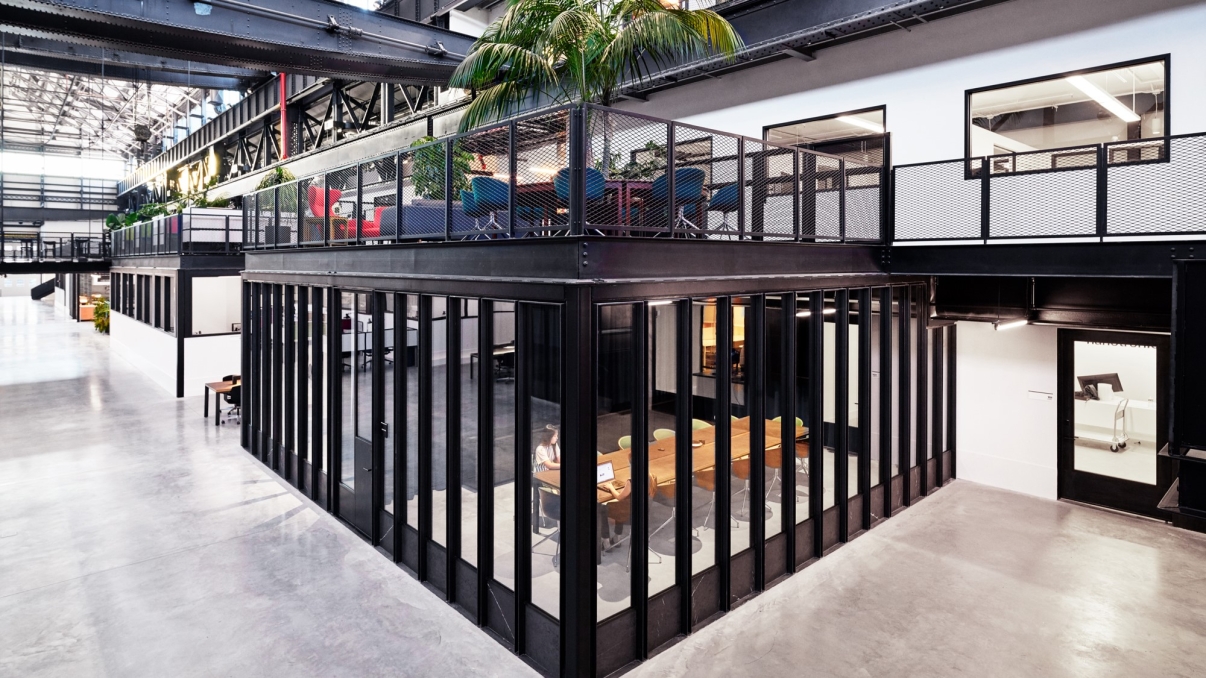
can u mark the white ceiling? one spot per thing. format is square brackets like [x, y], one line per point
[1121, 82]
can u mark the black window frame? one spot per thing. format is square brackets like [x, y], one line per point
[884, 137]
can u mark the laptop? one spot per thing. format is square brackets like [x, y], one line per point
[605, 473]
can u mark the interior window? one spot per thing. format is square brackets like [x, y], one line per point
[856, 135]
[1122, 103]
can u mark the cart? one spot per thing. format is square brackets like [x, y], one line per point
[1118, 440]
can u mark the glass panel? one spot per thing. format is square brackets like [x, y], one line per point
[500, 368]
[322, 325]
[468, 429]
[915, 376]
[662, 417]
[897, 368]
[305, 343]
[363, 366]
[829, 396]
[614, 442]
[740, 501]
[1114, 409]
[931, 412]
[703, 432]
[803, 392]
[854, 437]
[876, 385]
[411, 450]
[778, 430]
[1110, 105]
[856, 136]
[167, 305]
[542, 382]
[347, 395]
[389, 356]
[439, 420]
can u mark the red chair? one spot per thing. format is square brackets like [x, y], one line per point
[313, 197]
[371, 229]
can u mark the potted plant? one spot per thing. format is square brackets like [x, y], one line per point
[100, 316]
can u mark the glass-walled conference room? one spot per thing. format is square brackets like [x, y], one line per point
[733, 439]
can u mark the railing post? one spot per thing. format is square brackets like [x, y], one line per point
[226, 238]
[512, 170]
[359, 200]
[741, 179]
[1103, 156]
[399, 184]
[985, 171]
[276, 216]
[796, 168]
[577, 194]
[841, 185]
[671, 213]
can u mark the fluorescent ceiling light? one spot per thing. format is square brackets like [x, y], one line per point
[662, 302]
[1010, 324]
[1099, 95]
[861, 122]
[805, 314]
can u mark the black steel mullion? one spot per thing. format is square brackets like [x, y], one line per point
[905, 393]
[289, 385]
[302, 369]
[741, 179]
[579, 506]
[885, 397]
[452, 445]
[424, 465]
[485, 458]
[864, 405]
[788, 432]
[723, 447]
[923, 412]
[841, 412]
[754, 387]
[640, 478]
[936, 403]
[683, 470]
[951, 381]
[816, 420]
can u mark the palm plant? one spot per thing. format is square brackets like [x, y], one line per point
[568, 51]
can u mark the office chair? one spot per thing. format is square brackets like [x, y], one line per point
[725, 200]
[235, 399]
[698, 424]
[596, 185]
[471, 209]
[741, 469]
[491, 196]
[625, 442]
[662, 433]
[707, 481]
[550, 507]
[688, 189]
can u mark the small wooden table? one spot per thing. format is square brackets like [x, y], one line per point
[219, 388]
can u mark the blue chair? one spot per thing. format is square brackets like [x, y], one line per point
[688, 189]
[595, 184]
[471, 209]
[726, 200]
[491, 196]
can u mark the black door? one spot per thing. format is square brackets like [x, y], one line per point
[360, 420]
[1112, 399]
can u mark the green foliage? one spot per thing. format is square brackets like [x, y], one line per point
[654, 165]
[581, 50]
[427, 170]
[100, 316]
[278, 175]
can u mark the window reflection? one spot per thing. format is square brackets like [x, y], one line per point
[662, 418]
[616, 387]
[500, 369]
[854, 438]
[802, 383]
[741, 501]
[779, 430]
[469, 318]
[388, 364]
[411, 387]
[829, 397]
[876, 329]
[703, 433]
[439, 420]
[897, 367]
[347, 397]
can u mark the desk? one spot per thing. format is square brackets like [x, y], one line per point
[499, 352]
[542, 194]
[219, 388]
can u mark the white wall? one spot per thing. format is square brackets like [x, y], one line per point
[151, 351]
[19, 284]
[1007, 438]
[922, 75]
[209, 359]
[217, 304]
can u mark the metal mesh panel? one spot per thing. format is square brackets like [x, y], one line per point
[378, 198]
[938, 201]
[422, 200]
[312, 207]
[827, 199]
[862, 201]
[1043, 205]
[769, 192]
[1156, 197]
[542, 174]
[630, 153]
[481, 184]
[341, 204]
[287, 226]
[266, 204]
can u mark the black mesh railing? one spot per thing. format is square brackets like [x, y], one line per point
[1148, 187]
[24, 244]
[577, 170]
[195, 231]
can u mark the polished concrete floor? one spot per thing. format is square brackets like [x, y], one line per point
[136, 539]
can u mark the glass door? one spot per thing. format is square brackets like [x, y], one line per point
[360, 429]
[1113, 418]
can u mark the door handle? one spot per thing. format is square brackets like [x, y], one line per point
[384, 429]
[367, 470]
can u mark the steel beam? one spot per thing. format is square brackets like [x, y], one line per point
[65, 57]
[315, 37]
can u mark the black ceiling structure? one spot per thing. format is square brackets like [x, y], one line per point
[313, 37]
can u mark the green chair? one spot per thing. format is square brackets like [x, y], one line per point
[625, 442]
[662, 433]
[799, 421]
[697, 424]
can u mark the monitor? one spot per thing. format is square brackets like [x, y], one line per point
[1089, 383]
[605, 473]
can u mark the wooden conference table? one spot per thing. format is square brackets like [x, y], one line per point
[219, 388]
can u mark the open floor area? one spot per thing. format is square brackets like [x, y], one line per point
[137, 539]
